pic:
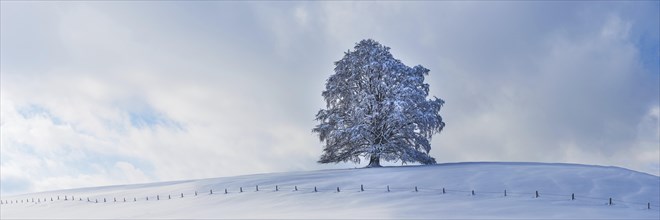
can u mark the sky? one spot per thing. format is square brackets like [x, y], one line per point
[119, 92]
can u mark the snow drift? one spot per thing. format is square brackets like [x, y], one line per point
[414, 192]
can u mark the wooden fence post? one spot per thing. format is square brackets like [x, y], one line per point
[241, 188]
[157, 197]
[211, 191]
[195, 193]
[225, 190]
[338, 189]
[296, 188]
[505, 192]
[415, 188]
[361, 188]
[257, 187]
[315, 189]
[537, 194]
[572, 196]
[276, 189]
[181, 195]
[610, 201]
[388, 188]
[169, 197]
[473, 192]
[96, 200]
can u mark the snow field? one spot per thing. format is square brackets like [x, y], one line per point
[592, 185]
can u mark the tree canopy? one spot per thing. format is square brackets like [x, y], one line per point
[377, 108]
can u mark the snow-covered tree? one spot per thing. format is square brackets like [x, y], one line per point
[377, 108]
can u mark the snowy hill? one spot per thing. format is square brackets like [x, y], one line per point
[631, 192]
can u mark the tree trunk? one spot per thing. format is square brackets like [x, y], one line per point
[374, 161]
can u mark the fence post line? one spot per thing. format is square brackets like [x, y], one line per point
[388, 188]
[181, 195]
[104, 200]
[296, 188]
[473, 192]
[195, 193]
[225, 190]
[416, 189]
[572, 196]
[537, 194]
[610, 201]
[157, 197]
[169, 196]
[211, 191]
[257, 187]
[648, 205]
[241, 189]
[505, 192]
[87, 199]
[315, 189]
[338, 189]
[443, 190]
[276, 189]
[361, 188]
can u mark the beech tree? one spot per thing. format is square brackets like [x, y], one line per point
[377, 108]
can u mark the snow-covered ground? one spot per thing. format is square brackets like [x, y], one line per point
[592, 185]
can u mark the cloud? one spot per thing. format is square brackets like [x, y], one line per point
[119, 92]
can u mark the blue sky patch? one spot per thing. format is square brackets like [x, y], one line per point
[150, 119]
[33, 110]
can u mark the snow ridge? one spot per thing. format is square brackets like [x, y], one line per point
[471, 190]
